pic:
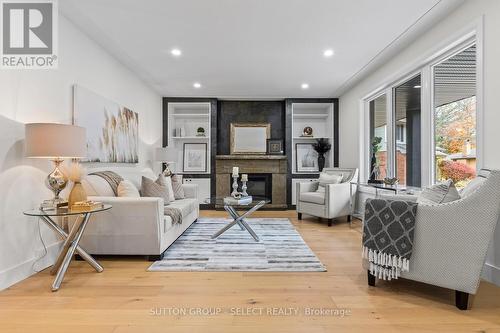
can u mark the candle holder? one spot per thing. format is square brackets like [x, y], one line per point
[235, 193]
[244, 188]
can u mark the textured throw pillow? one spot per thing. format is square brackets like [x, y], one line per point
[177, 187]
[157, 189]
[325, 179]
[439, 193]
[170, 189]
[127, 189]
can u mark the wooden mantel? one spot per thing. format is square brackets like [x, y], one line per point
[250, 157]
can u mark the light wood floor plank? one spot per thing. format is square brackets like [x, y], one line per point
[123, 297]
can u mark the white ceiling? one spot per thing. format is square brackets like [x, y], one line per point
[252, 49]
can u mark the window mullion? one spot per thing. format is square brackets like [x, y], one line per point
[391, 146]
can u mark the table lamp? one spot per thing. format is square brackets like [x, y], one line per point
[56, 142]
[166, 155]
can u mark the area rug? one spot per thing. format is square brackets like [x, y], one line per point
[280, 249]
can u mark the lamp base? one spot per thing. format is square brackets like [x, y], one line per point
[56, 181]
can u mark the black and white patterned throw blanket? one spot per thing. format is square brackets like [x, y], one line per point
[388, 236]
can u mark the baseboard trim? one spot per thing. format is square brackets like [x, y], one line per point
[491, 273]
[24, 270]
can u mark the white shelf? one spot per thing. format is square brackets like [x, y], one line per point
[190, 115]
[308, 138]
[318, 116]
[190, 137]
[311, 115]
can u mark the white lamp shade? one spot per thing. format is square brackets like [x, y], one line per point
[165, 154]
[48, 140]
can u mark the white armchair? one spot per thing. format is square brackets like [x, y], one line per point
[333, 203]
[451, 239]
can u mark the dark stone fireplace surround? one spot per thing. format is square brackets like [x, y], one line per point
[273, 165]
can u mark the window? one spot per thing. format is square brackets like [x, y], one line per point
[454, 83]
[378, 138]
[407, 128]
[422, 129]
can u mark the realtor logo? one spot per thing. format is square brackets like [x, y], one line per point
[29, 34]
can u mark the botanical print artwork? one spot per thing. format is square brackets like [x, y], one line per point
[307, 158]
[195, 157]
[112, 129]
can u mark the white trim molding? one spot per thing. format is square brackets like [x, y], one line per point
[19, 272]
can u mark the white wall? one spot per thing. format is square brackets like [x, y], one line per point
[46, 96]
[461, 17]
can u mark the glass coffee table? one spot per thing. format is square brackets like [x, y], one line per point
[239, 219]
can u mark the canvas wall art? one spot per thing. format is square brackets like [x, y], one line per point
[112, 129]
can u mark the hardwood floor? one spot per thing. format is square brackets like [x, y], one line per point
[123, 297]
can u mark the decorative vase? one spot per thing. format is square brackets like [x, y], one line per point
[321, 162]
[77, 194]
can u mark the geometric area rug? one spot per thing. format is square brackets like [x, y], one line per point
[281, 249]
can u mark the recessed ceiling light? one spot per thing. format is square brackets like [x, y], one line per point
[328, 53]
[417, 86]
[197, 85]
[304, 86]
[176, 52]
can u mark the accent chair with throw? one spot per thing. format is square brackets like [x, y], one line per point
[451, 238]
[329, 197]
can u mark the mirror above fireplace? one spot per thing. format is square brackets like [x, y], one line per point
[249, 138]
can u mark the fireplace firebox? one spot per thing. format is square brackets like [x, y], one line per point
[259, 185]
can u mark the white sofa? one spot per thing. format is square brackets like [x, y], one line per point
[135, 226]
[333, 203]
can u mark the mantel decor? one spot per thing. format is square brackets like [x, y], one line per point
[275, 147]
[249, 138]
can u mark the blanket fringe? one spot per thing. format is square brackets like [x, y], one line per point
[385, 266]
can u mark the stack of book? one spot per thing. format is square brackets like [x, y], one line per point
[241, 201]
[86, 206]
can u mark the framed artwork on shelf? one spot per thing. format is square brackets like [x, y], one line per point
[306, 158]
[195, 157]
[275, 147]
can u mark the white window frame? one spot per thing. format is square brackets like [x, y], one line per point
[471, 34]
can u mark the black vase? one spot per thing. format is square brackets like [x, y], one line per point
[321, 162]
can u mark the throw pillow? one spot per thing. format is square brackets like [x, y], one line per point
[325, 179]
[168, 184]
[155, 188]
[127, 189]
[439, 193]
[177, 187]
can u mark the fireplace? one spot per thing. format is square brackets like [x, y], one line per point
[259, 185]
[266, 174]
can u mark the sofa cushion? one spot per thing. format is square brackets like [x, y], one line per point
[127, 189]
[187, 206]
[167, 223]
[155, 188]
[325, 179]
[170, 189]
[475, 183]
[439, 193]
[177, 187]
[96, 186]
[313, 197]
